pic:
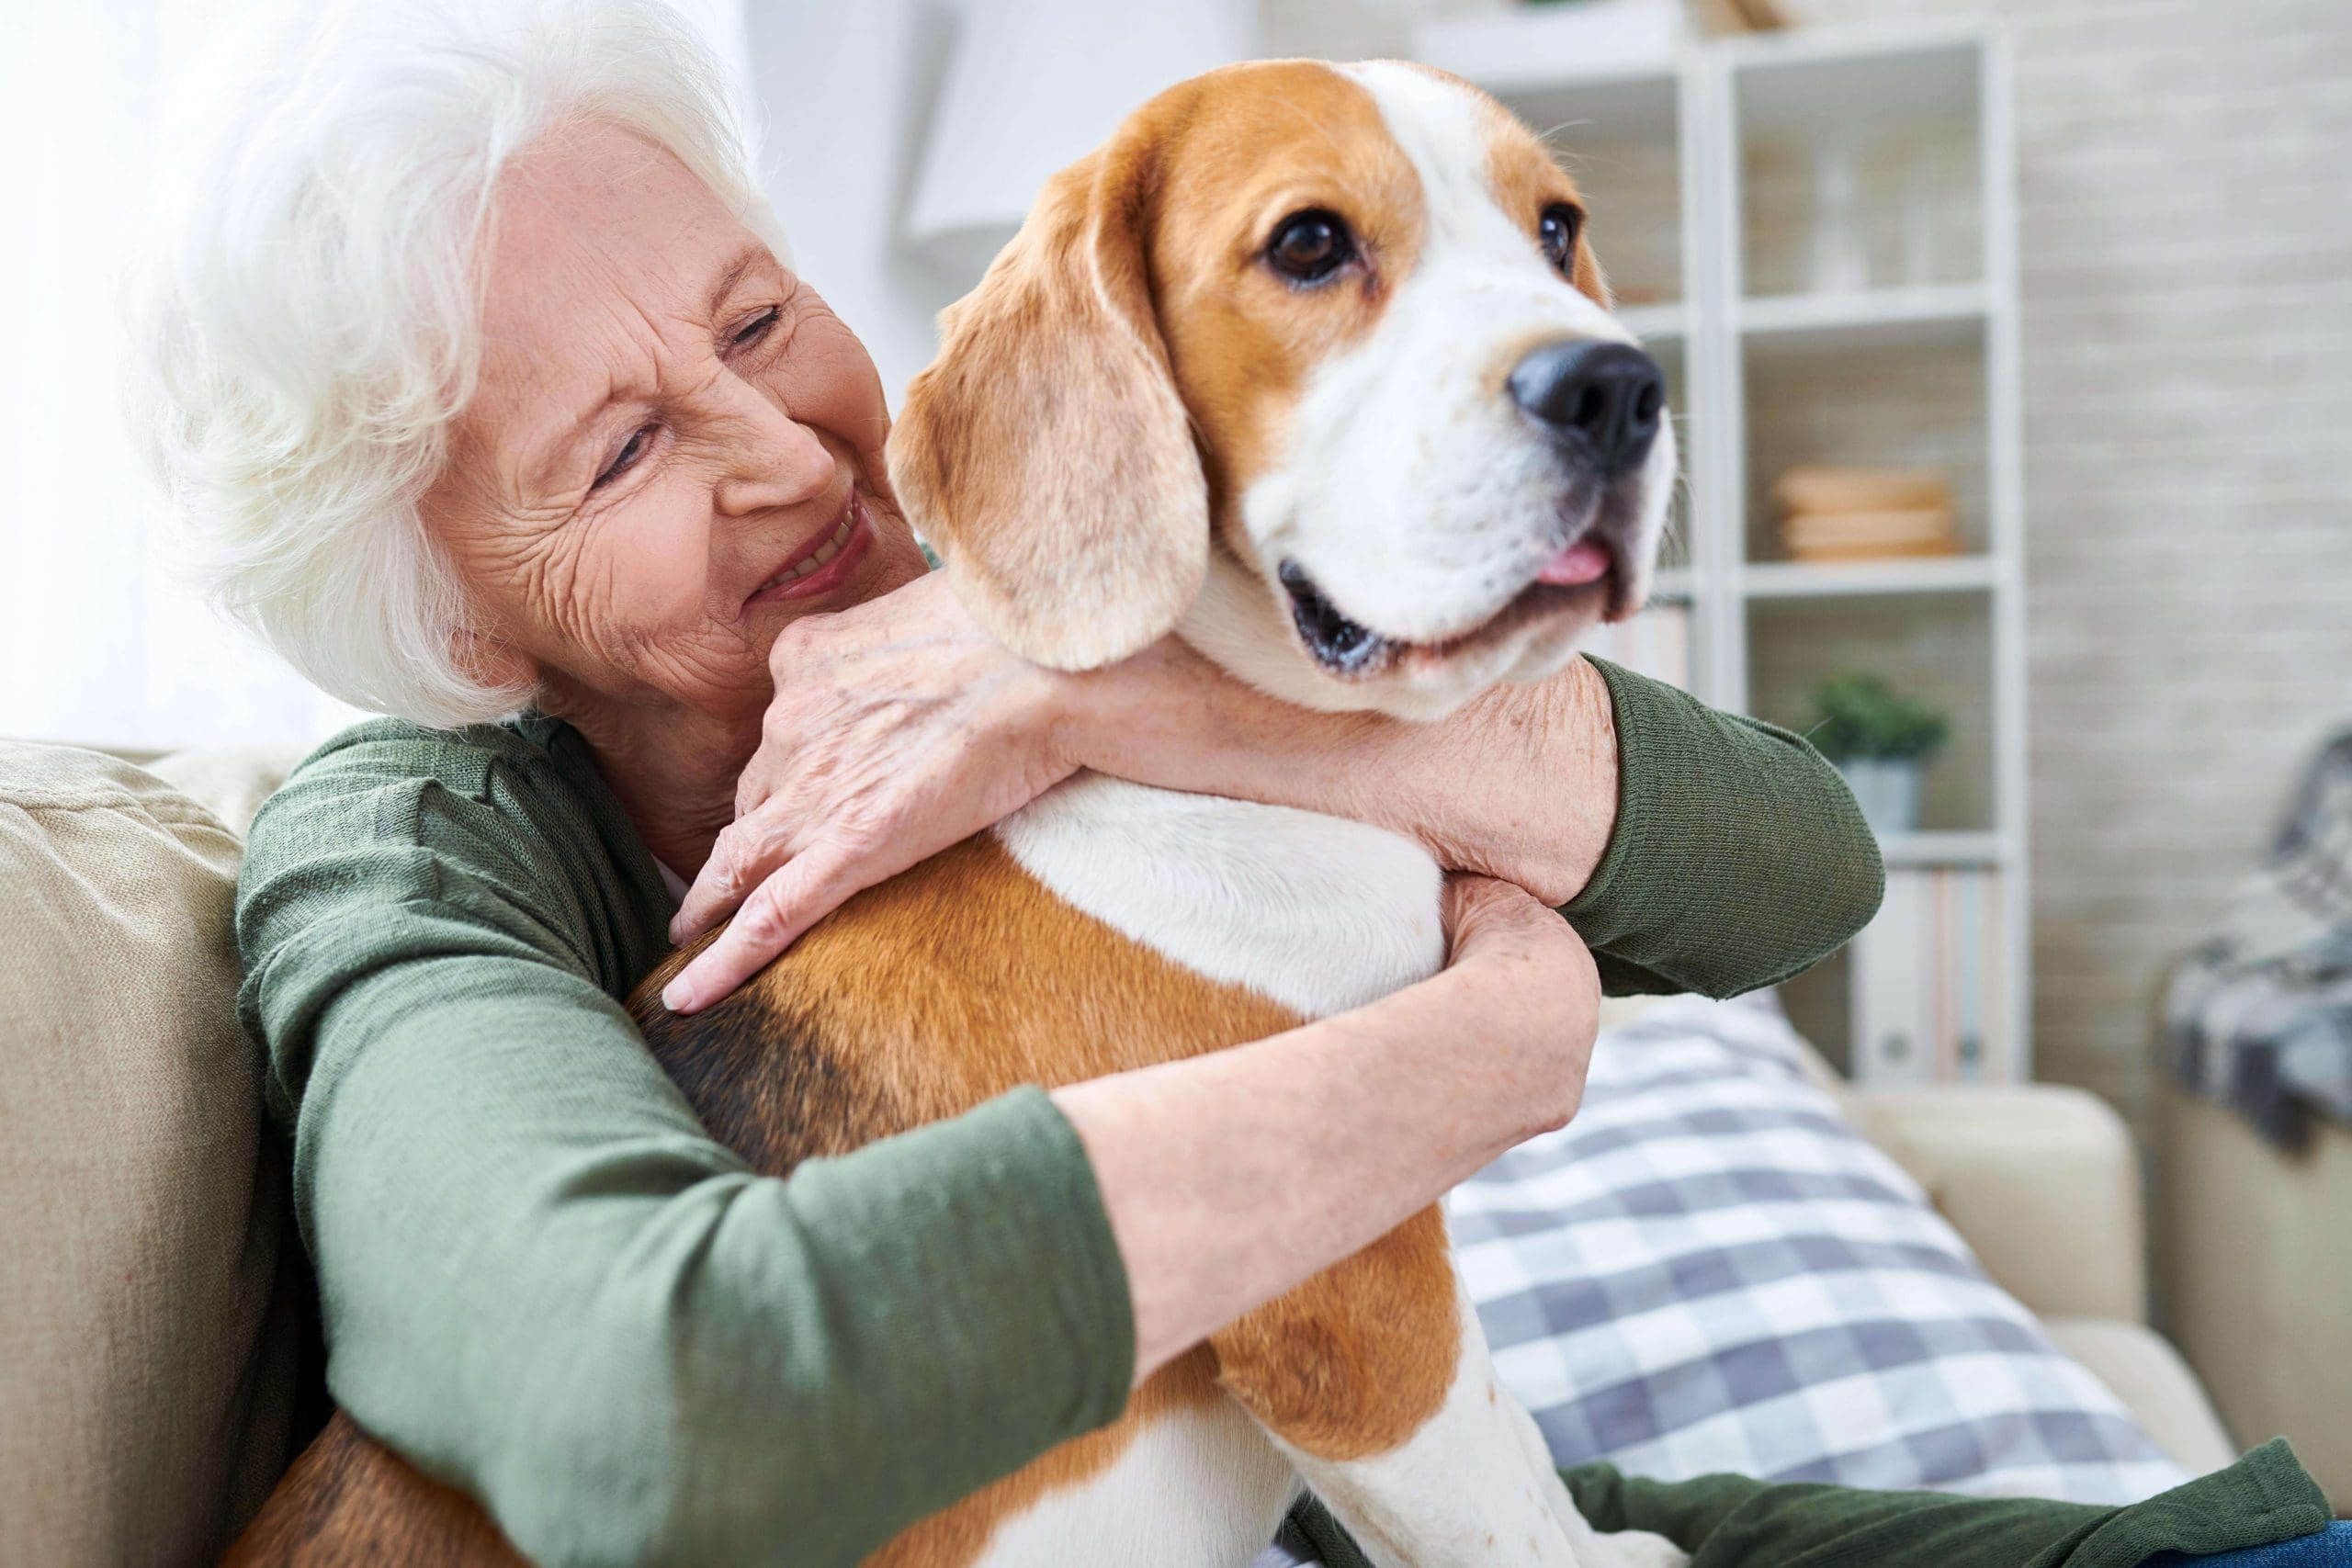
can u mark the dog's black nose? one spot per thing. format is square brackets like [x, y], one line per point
[1601, 396]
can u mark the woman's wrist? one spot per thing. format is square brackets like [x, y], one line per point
[1520, 783]
[1169, 718]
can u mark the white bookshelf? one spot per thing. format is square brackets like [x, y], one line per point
[1912, 314]
[1655, 323]
[1686, 157]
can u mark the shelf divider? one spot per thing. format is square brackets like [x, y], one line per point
[1825, 579]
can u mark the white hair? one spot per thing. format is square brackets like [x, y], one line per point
[310, 320]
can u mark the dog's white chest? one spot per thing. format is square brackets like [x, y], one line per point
[1320, 914]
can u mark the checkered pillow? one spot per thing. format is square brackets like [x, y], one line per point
[1711, 1271]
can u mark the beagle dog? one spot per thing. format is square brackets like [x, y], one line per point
[1312, 366]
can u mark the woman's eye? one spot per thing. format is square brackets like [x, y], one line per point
[626, 458]
[1558, 230]
[755, 329]
[1310, 246]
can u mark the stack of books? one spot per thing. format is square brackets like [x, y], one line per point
[1842, 515]
[1930, 981]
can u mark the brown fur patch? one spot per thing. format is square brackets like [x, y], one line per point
[1525, 180]
[942, 987]
[348, 1502]
[1352, 1362]
[1240, 339]
[762, 1074]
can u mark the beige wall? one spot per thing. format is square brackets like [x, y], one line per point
[2186, 245]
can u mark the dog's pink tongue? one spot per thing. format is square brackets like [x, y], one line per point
[1583, 561]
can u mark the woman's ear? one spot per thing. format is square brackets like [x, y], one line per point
[1045, 453]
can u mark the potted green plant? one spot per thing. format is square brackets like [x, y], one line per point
[1881, 741]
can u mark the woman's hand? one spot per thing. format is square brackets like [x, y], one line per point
[1528, 995]
[899, 728]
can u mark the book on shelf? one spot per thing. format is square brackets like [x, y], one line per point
[1830, 512]
[1869, 536]
[1931, 982]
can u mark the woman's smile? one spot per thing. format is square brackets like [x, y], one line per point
[824, 564]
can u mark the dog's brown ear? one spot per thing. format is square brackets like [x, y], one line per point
[1046, 453]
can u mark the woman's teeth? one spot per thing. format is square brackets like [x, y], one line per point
[817, 557]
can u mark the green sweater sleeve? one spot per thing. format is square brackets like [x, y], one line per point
[1739, 857]
[1732, 1521]
[541, 1282]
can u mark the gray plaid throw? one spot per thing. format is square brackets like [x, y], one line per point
[2260, 1017]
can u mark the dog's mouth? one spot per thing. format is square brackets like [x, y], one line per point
[1590, 575]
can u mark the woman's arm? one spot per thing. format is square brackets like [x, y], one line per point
[1230, 1177]
[1521, 782]
[1694, 850]
[541, 1280]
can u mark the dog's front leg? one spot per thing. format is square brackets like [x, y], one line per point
[1374, 1378]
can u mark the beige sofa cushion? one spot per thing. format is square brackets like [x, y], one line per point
[147, 1342]
[230, 781]
[2043, 1180]
[2259, 1278]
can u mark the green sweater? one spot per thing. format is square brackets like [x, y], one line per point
[542, 1282]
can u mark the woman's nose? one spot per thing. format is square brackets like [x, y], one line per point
[769, 458]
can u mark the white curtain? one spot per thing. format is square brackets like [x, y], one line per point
[100, 642]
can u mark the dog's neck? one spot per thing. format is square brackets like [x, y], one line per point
[1318, 913]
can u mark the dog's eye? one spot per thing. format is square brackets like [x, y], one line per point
[1558, 230]
[1309, 247]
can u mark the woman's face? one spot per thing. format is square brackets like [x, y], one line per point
[669, 430]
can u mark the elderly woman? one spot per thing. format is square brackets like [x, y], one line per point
[485, 386]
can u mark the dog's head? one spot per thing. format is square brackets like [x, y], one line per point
[1314, 364]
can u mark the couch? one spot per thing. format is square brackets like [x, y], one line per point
[152, 1298]
[2256, 1280]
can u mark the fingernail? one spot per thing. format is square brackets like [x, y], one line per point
[676, 996]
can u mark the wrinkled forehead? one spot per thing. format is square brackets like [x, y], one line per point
[1406, 154]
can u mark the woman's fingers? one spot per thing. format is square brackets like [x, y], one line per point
[797, 896]
[1481, 911]
[749, 850]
